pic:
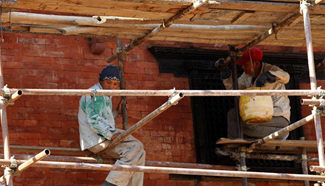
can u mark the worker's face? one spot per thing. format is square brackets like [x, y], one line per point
[110, 84]
[251, 67]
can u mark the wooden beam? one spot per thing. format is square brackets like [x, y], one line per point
[270, 31]
[163, 26]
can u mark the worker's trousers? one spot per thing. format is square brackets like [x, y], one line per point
[128, 152]
[256, 131]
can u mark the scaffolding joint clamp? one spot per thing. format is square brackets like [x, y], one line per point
[306, 4]
[6, 92]
[174, 97]
[119, 50]
[321, 92]
[13, 163]
[319, 111]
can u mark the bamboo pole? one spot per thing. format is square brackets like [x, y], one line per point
[281, 132]
[169, 170]
[196, 4]
[173, 100]
[92, 92]
[313, 82]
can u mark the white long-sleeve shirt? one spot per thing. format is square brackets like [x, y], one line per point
[96, 121]
[281, 104]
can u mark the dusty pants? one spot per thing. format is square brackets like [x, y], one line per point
[128, 152]
[256, 131]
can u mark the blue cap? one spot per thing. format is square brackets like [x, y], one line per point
[109, 72]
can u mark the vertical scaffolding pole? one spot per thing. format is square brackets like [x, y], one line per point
[4, 127]
[121, 67]
[304, 162]
[313, 82]
[239, 128]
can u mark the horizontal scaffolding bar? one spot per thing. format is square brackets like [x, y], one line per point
[111, 161]
[32, 160]
[314, 102]
[92, 92]
[169, 170]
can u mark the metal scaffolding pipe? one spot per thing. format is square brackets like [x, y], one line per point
[281, 132]
[29, 162]
[173, 100]
[4, 126]
[315, 168]
[16, 96]
[312, 76]
[314, 102]
[169, 170]
[318, 2]
[90, 92]
[111, 161]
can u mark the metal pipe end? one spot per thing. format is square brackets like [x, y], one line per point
[47, 152]
[181, 94]
[20, 92]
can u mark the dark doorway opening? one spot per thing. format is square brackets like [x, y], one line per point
[210, 113]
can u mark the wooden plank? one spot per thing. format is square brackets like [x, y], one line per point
[194, 40]
[44, 30]
[284, 143]
[198, 35]
[142, 6]
[241, 17]
[263, 6]
[81, 10]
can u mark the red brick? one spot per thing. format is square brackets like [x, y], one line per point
[43, 61]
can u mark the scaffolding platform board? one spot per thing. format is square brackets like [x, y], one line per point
[290, 146]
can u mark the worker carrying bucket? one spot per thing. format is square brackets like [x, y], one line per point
[261, 115]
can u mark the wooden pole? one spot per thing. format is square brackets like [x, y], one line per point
[159, 28]
[269, 32]
[123, 86]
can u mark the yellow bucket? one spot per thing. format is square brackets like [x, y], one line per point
[255, 109]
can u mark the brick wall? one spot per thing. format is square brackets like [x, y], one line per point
[64, 62]
[37, 61]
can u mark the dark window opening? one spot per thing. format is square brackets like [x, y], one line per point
[210, 113]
